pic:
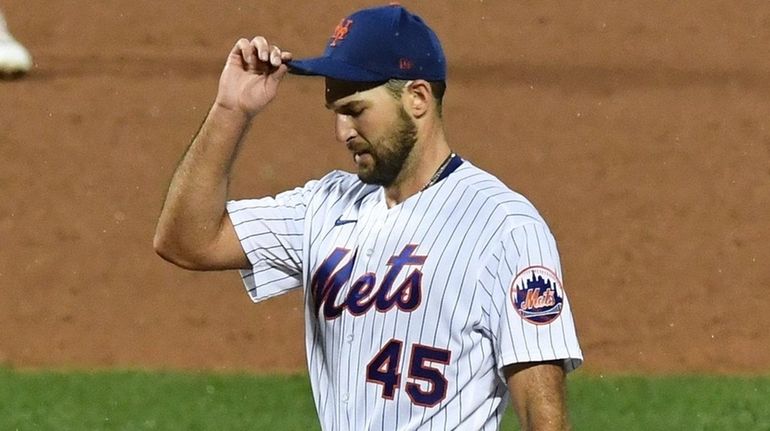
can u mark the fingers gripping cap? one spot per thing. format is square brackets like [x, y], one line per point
[378, 44]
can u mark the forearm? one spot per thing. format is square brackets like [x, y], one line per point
[194, 208]
[538, 393]
[545, 413]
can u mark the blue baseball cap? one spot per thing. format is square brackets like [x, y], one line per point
[378, 44]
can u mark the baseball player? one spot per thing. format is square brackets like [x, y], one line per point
[433, 293]
[15, 60]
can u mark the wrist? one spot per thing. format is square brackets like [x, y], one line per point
[229, 115]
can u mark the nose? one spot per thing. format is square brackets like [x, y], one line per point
[344, 128]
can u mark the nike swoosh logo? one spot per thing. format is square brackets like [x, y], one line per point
[340, 222]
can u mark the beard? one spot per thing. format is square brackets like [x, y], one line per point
[390, 152]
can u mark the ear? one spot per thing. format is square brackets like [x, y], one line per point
[418, 98]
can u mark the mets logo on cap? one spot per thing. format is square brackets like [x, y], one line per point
[537, 295]
[341, 31]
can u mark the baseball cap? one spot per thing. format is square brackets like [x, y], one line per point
[378, 44]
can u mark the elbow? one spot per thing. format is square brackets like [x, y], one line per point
[169, 250]
[164, 248]
[161, 247]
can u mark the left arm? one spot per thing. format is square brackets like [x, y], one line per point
[527, 277]
[538, 395]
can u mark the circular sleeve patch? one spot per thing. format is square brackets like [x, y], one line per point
[537, 295]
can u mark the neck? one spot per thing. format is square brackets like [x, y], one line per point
[429, 153]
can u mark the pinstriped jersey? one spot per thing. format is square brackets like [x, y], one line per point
[411, 312]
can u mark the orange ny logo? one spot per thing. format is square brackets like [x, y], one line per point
[341, 31]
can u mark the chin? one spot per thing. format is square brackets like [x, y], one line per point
[374, 179]
[366, 173]
[366, 178]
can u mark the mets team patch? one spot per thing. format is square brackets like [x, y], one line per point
[537, 295]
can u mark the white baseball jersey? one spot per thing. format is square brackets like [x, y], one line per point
[412, 311]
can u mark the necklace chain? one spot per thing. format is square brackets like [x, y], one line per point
[439, 171]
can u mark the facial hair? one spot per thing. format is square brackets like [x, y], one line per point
[390, 153]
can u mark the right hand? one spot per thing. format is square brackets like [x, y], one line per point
[251, 76]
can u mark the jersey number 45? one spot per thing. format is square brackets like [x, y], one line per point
[383, 370]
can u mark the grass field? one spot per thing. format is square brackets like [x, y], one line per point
[176, 401]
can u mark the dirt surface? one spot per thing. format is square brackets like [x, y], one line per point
[639, 129]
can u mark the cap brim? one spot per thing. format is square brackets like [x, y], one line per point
[333, 68]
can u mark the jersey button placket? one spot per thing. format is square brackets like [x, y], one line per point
[371, 241]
